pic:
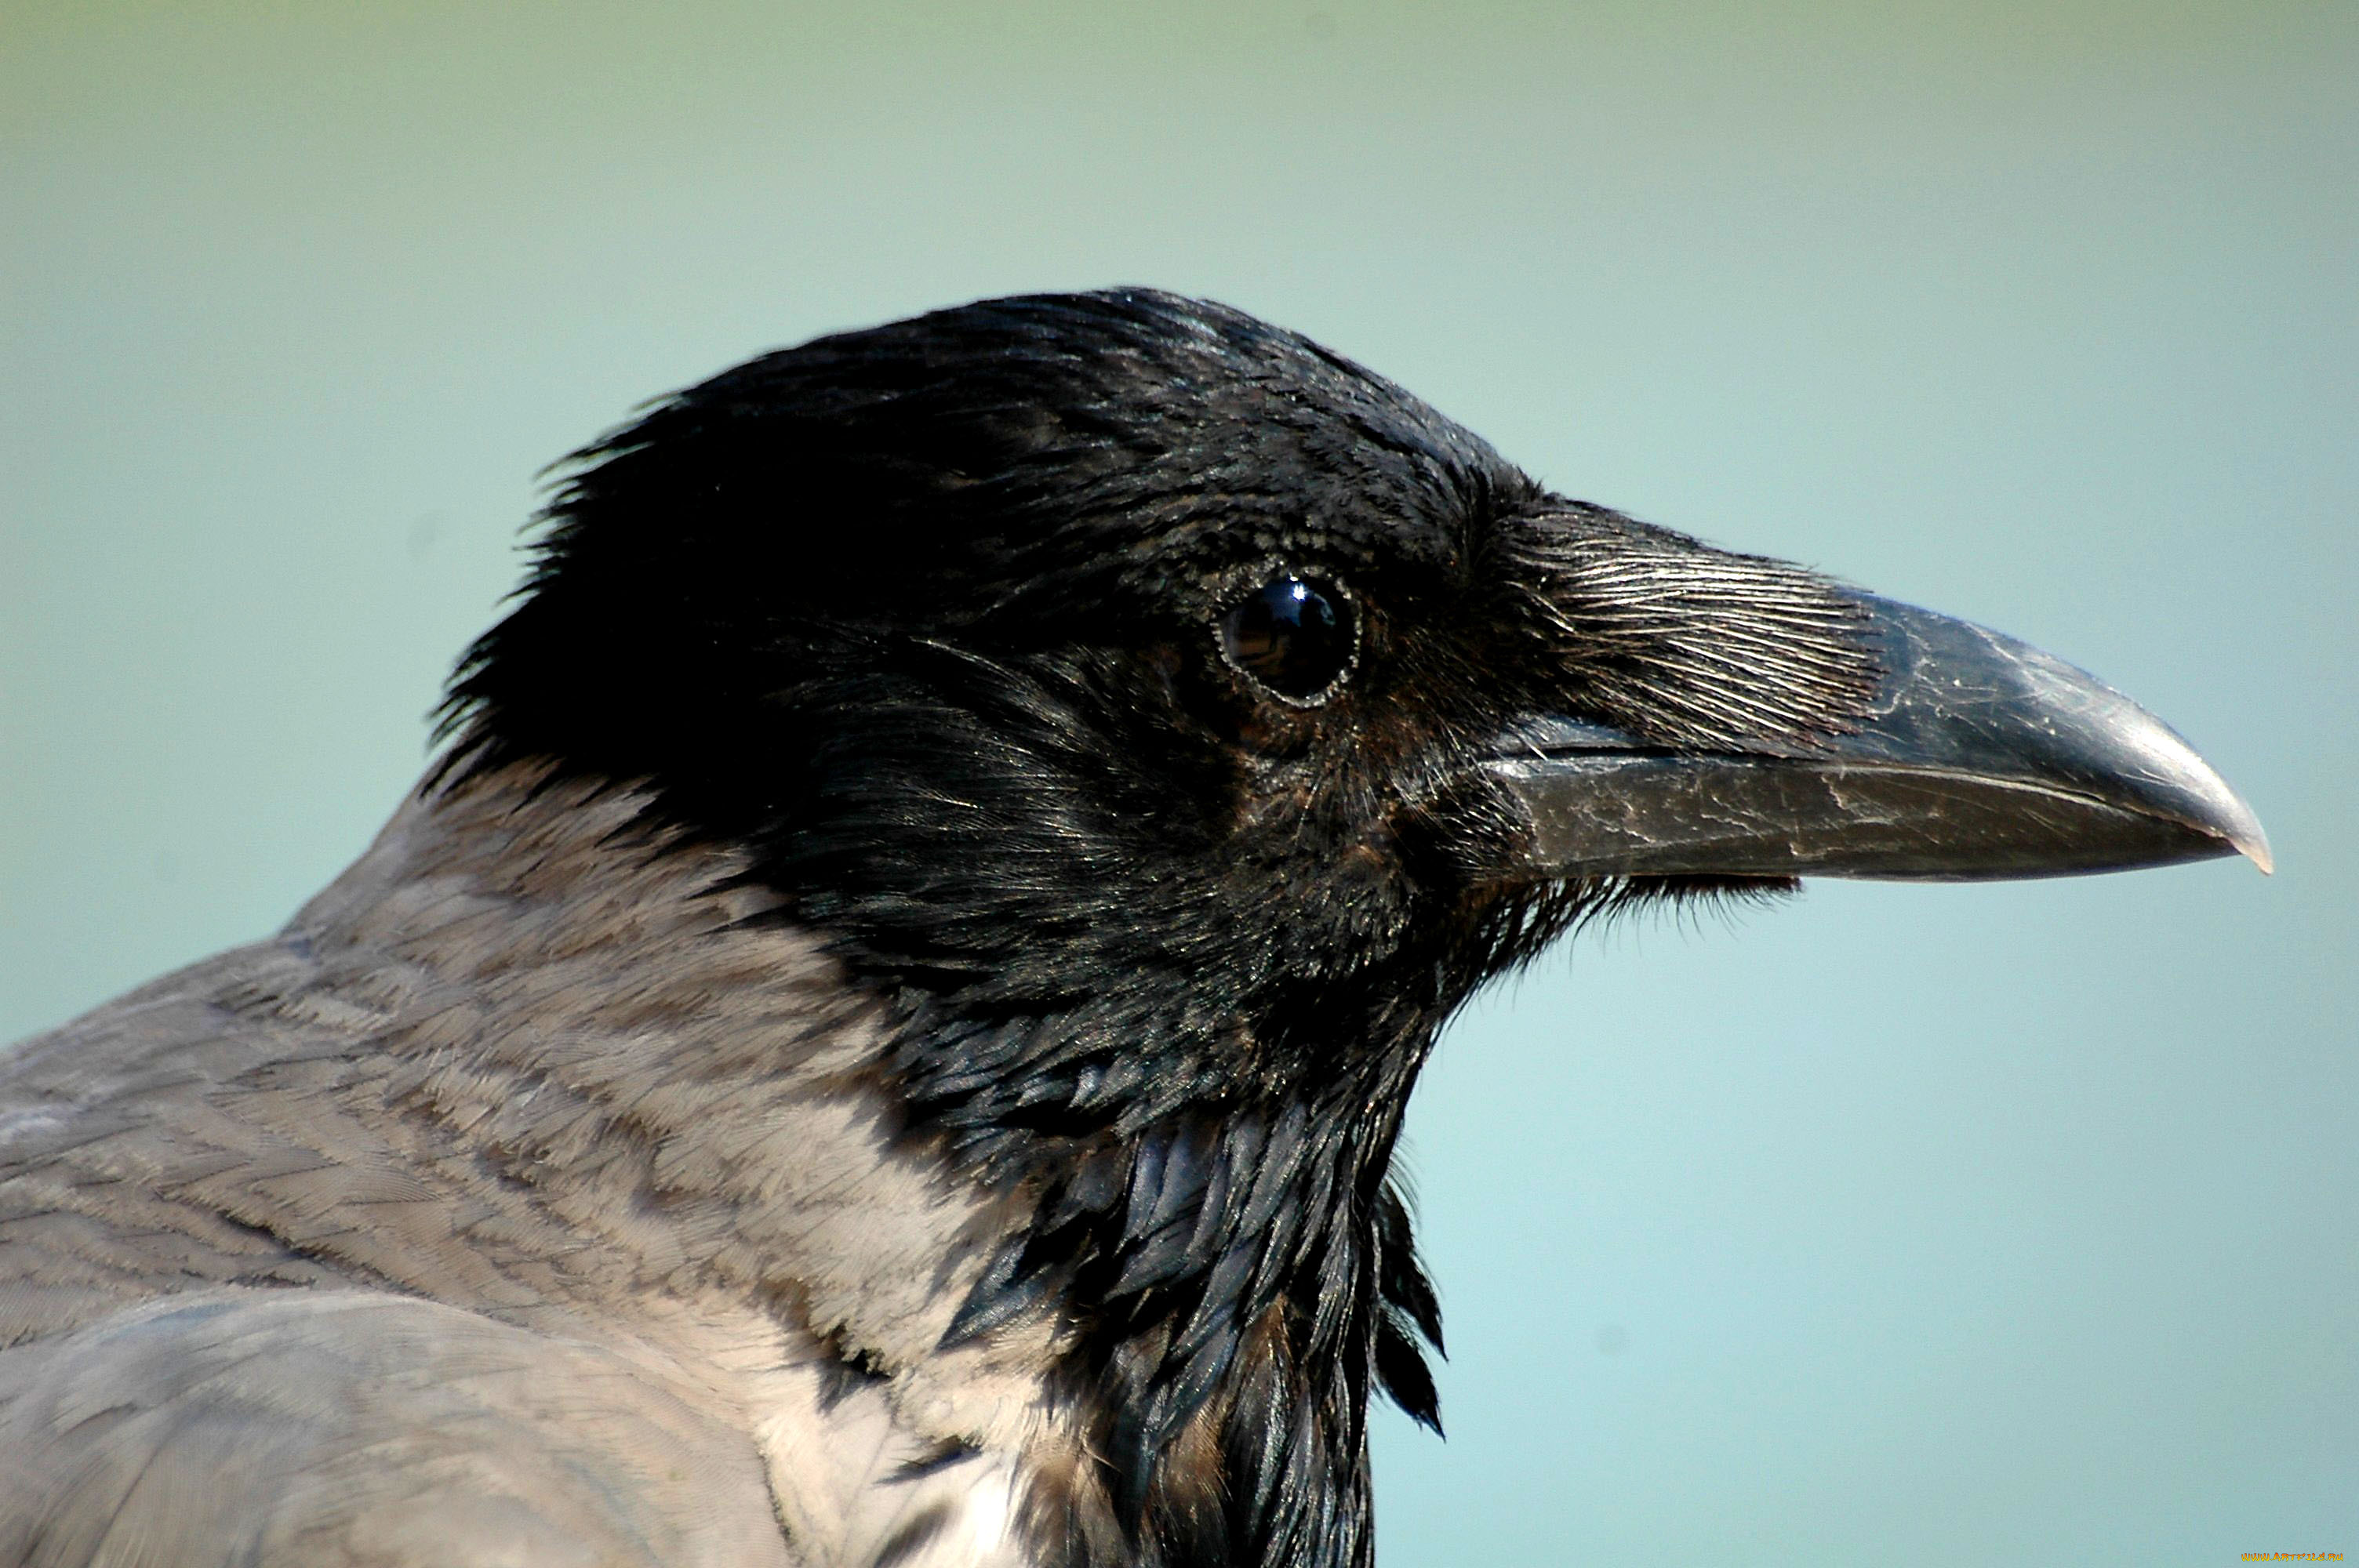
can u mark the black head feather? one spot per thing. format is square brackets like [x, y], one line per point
[927, 619]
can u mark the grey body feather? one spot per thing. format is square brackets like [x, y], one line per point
[495, 1212]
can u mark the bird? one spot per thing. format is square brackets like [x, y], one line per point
[880, 1036]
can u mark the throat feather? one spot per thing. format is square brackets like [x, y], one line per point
[1231, 1285]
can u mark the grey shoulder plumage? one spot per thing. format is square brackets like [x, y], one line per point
[460, 1217]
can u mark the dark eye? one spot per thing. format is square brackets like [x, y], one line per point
[1296, 636]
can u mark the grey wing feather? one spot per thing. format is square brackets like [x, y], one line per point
[349, 1427]
[179, 1389]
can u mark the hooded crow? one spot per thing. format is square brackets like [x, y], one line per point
[881, 1038]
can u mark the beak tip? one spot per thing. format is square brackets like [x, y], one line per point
[2220, 811]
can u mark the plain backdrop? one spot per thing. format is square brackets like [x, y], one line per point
[1938, 1226]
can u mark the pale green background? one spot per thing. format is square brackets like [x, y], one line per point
[2012, 1225]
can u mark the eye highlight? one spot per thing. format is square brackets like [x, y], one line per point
[1296, 637]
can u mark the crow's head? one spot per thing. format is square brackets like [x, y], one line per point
[1176, 721]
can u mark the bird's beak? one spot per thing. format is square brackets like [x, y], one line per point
[1978, 758]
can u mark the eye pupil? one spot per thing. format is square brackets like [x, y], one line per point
[1296, 637]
